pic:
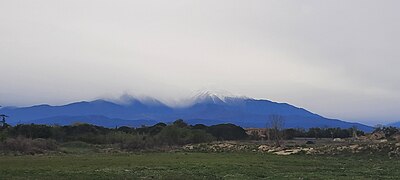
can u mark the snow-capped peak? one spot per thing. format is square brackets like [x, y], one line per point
[216, 97]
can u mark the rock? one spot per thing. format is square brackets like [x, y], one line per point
[363, 138]
[377, 136]
[264, 148]
[338, 140]
[188, 147]
[287, 152]
[309, 150]
[396, 137]
[353, 147]
[383, 140]
[271, 150]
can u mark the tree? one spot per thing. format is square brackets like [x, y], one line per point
[3, 120]
[290, 133]
[388, 131]
[276, 124]
[227, 132]
[354, 131]
[180, 123]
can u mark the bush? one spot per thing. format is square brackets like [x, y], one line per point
[138, 142]
[32, 131]
[76, 144]
[118, 137]
[173, 135]
[45, 144]
[180, 123]
[3, 135]
[388, 131]
[28, 146]
[200, 136]
[227, 132]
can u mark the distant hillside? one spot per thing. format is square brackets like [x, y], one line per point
[206, 108]
[94, 119]
[395, 124]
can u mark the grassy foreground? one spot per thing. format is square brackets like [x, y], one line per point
[197, 166]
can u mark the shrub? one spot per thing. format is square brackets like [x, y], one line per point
[138, 142]
[118, 137]
[3, 135]
[28, 146]
[227, 132]
[45, 144]
[180, 123]
[76, 144]
[173, 135]
[32, 131]
[200, 136]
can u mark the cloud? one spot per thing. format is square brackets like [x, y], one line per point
[337, 58]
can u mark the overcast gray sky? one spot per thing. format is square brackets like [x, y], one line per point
[337, 58]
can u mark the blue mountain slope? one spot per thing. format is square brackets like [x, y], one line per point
[248, 112]
[91, 119]
[134, 110]
[207, 109]
[395, 124]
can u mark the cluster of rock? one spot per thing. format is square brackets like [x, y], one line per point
[220, 147]
[241, 147]
[389, 148]
[285, 151]
[392, 149]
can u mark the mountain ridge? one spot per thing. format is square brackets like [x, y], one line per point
[209, 108]
[395, 124]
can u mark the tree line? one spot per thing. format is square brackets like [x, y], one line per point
[177, 133]
[158, 135]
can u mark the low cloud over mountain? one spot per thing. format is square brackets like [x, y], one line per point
[205, 108]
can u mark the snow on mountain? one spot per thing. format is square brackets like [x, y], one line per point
[206, 107]
[216, 97]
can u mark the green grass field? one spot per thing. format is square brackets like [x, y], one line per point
[197, 166]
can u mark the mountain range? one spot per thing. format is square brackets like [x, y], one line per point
[395, 124]
[205, 108]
